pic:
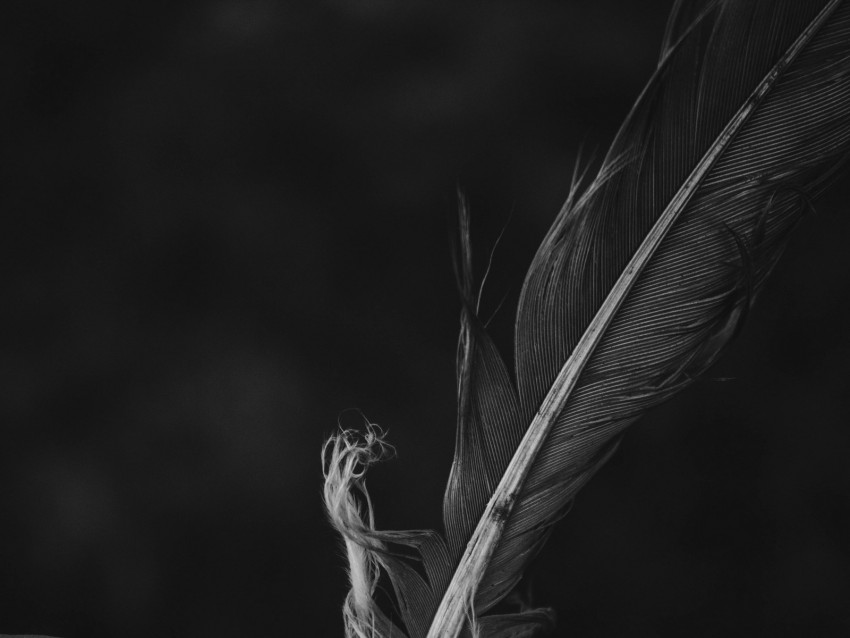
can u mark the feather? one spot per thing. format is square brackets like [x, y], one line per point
[642, 281]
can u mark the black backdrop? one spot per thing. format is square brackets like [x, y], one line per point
[225, 225]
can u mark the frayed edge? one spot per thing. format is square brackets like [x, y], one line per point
[345, 459]
[473, 626]
[471, 619]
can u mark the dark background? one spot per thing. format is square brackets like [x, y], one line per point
[226, 225]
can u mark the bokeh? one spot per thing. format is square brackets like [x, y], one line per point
[226, 230]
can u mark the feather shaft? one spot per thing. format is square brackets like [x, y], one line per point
[639, 285]
[451, 614]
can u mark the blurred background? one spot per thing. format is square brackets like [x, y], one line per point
[226, 230]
